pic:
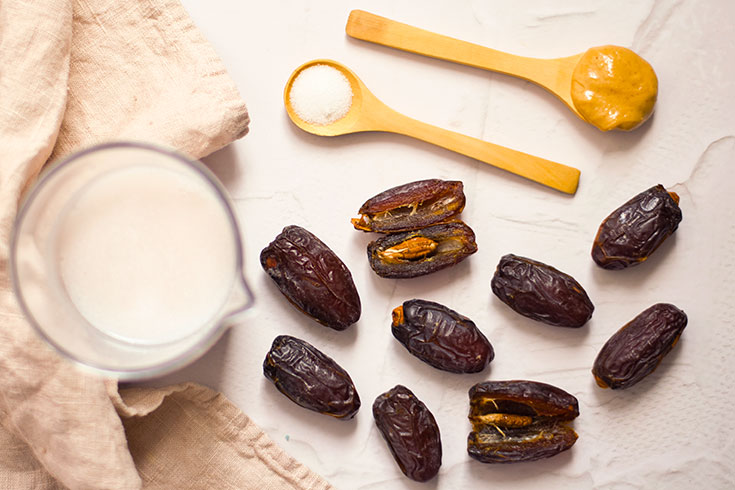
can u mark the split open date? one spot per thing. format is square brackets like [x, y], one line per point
[420, 252]
[516, 421]
[411, 206]
[423, 232]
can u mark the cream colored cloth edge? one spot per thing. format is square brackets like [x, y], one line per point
[74, 73]
[211, 417]
[170, 86]
[41, 397]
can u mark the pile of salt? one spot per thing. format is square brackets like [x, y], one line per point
[321, 95]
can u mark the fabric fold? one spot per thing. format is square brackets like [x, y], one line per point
[142, 70]
[44, 401]
[224, 448]
[74, 73]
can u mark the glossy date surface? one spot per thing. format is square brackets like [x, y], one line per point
[420, 252]
[631, 233]
[441, 337]
[541, 292]
[516, 421]
[310, 378]
[312, 277]
[410, 431]
[635, 350]
[411, 206]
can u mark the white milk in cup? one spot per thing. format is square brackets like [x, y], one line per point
[127, 258]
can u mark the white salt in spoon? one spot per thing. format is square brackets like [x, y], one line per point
[368, 113]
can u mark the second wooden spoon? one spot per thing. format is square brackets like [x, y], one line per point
[368, 113]
[610, 87]
[555, 75]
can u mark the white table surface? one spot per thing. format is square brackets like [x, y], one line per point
[674, 429]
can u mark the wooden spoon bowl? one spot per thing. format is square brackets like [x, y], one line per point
[555, 75]
[368, 113]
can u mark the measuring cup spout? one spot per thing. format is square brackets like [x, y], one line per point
[241, 299]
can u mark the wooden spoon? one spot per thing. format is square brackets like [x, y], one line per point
[367, 113]
[555, 75]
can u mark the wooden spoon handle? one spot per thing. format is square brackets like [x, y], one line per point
[552, 174]
[373, 28]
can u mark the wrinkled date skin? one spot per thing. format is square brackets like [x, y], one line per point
[420, 252]
[636, 229]
[441, 337]
[312, 277]
[411, 206]
[516, 421]
[540, 292]
[411, 432]
[310, 378]
[635, 350]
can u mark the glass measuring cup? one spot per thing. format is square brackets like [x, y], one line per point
[127, 258]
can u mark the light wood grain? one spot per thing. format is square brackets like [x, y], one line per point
[555, 75]
[368, 113]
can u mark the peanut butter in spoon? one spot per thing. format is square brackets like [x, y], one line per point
[614, 88]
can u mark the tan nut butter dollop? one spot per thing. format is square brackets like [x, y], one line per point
[614, 88]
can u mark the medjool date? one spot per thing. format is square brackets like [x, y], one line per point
[636, 229]
[635, 350]
[441, 337]
[411, 206]
[312, 277]
[419, 252]
[515, 421]
[540, 292]
[411, 432]
[310, 378]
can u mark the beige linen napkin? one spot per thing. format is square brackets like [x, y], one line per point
[73, 73]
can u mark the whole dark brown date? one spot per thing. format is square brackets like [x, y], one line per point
[310, 378]
[312, 277]
[637, 348]
[540, 292]
[411, 206]
[441, 337]
[515, 421]
[420, 252]
[411, 432]
[636, 229]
